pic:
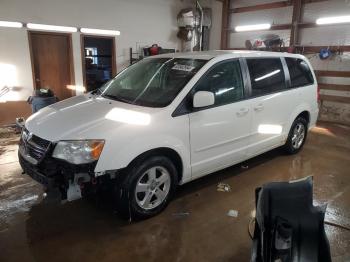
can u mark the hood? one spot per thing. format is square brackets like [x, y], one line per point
[86, 117]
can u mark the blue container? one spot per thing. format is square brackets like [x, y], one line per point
[38, 102]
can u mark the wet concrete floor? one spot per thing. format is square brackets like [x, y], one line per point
[194, 227]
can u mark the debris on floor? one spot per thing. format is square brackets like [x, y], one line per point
[243, 166]
[222, 187]
[232, 213]
[181, 214]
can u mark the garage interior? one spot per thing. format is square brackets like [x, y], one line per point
[209, 218]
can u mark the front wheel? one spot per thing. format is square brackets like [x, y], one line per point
[149, 186]
[297, 136]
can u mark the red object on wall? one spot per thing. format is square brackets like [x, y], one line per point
[154, 50]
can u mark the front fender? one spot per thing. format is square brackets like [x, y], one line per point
[121, 155]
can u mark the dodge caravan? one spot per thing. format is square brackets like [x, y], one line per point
[170, 119]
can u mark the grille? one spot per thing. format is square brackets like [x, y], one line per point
[35, 146]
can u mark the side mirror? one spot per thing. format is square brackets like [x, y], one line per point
[203, 99]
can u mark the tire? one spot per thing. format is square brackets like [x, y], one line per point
[148, 187]
[297, 136]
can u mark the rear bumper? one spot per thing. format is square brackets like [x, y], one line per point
[313, 118]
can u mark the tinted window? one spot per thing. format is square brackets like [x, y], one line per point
[266, 75]
[225, 81]
[299, 71]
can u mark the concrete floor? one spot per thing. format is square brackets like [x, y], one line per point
[33, 230]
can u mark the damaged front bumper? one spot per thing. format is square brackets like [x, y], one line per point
[71, 180]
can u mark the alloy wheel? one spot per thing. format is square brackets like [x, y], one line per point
[152, 187]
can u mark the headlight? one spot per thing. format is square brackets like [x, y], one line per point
[79, 152]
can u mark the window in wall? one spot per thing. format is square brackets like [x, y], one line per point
[299, 71]
[266, 75]
[99, 60]
[225, 81]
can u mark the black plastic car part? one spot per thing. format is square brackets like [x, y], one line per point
[287, 225]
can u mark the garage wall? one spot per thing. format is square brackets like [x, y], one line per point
[151, 21]
[318, 36]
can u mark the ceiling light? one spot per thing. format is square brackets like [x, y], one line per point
[52, 27]
[99, 31]
[333, 20]
[11, 24]
[242, 28]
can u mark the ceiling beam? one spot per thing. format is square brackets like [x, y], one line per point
[334, 87]
[296, 19]
[339, 99]
[260, 7]
[225, 24]
[320, 73]
[267, 6]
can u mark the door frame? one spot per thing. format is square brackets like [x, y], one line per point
[82, 50]
[70, 54]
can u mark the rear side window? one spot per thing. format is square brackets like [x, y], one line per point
[299, 71]
[266, 75]
[225, 81]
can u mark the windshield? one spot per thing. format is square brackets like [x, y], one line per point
[152, 82]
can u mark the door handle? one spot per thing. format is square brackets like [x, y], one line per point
[242, 112]
[259, 107]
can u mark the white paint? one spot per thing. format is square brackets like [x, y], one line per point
[128, 116]
[270, 129]
[14, 50]
[206, 140]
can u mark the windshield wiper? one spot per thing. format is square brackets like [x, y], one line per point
[97, 91]
[117, 98]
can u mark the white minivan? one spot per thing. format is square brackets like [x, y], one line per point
[170, 119]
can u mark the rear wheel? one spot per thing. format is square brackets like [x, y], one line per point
[297, 136]
[149, 186]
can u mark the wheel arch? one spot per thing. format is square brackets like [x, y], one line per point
[306, 115]
[170, 153]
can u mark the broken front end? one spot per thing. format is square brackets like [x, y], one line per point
[71, 179]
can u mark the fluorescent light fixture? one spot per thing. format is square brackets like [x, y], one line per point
[242, 28]
[333, 20]
[52, 27]
[267, 75]
[11, 24]
[99, 31]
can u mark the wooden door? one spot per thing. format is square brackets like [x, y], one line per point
[51, 55]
